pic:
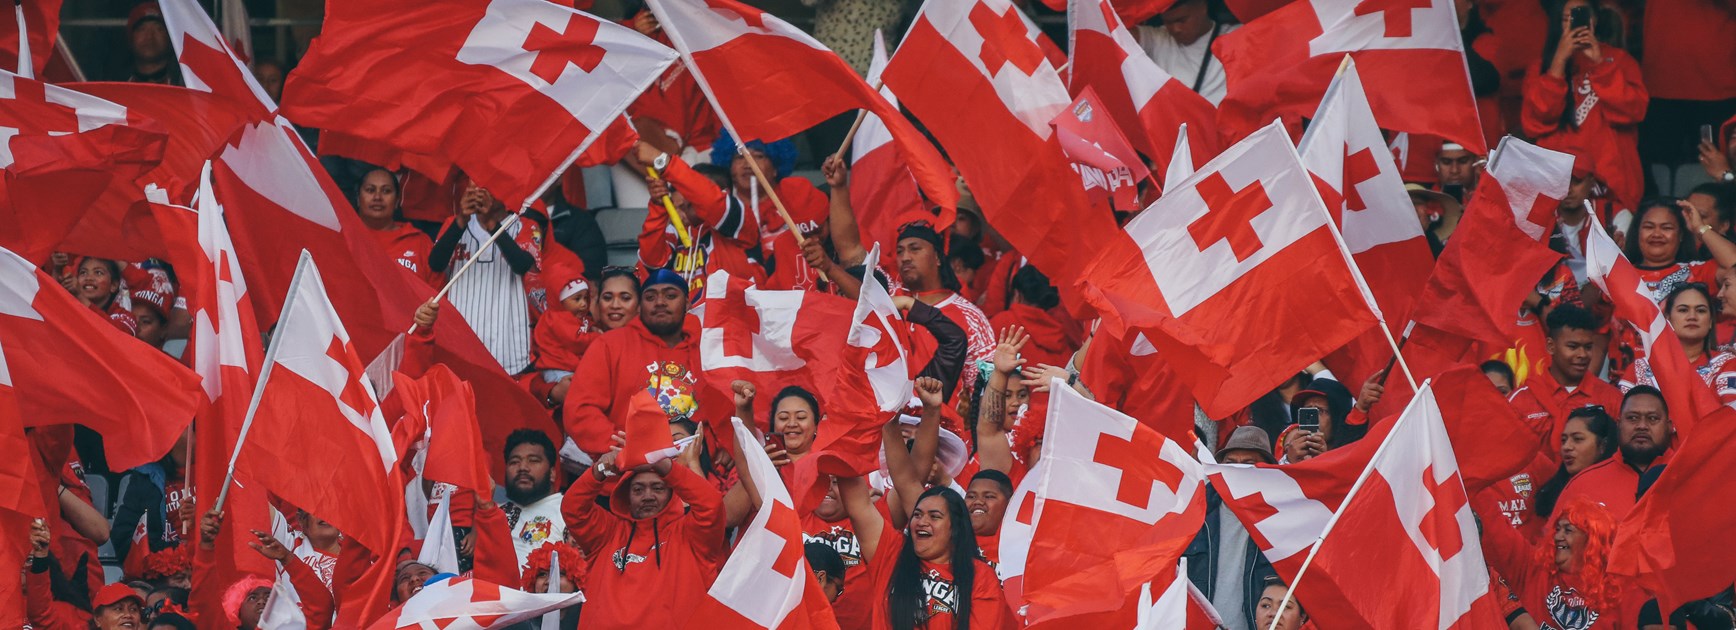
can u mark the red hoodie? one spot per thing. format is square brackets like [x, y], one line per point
[1050, 344]
[561, 340]
[623, 361]
[1609, 133]
[409, 246]
[646, 573]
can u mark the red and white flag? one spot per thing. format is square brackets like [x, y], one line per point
[1181, 163]
[318, 439]
[770, 338]
[283, 202]
[1345, 152]
[766, 582]
[463, 603]
[1118, 504]
[1408, 529]
[69, 364]
[1478, 296]
[1665, 365]
[728, 46]
[59, 149]
[1147, 103]
[971, 71]
[1127, 374]
[1109, 168]
[21, 500]
[1225, 261]
[223, 347]
[882, 190]
[41, 18]
[197, 124]
[208, 64]
[526, 85]
[445, 407]
[881, 337]
[1281, 63]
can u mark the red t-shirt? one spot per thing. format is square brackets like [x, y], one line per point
[407, 245]
[988, 606]
[1661, 281]
[1611, 482]
[852, 608]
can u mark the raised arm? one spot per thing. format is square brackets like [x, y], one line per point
[909, 469]
[1722, 249]
[992, 450]
[846, 237]
[866, 521]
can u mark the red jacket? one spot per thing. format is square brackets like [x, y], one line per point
[561, 340]
[646, 573]
[725, 233]
[409, 246]
[46, 612]
[623, 361]
[1609, 135]
[1546, 403]
[1611, 482]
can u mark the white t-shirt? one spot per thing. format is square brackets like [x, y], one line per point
[1183, 61]
[532, 525]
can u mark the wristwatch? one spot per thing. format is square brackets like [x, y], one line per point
[1703, 229]
[662, 162]
[603, 470]
[1729, 176]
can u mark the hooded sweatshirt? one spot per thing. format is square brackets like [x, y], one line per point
[646, 573]
[623, 361]
[1050, 344]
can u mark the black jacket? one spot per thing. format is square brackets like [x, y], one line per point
[1202, 563]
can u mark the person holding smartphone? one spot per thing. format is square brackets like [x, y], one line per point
[1587, 97]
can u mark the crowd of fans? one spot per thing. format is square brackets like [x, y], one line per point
[1640, 92]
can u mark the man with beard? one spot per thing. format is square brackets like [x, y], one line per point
[923, 269]
[1646, 434]
[657, 353]
[533, 509]
[656, 548]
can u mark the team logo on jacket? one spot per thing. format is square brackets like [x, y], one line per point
[1568, 610]
[672, 385]
[840, 540]
[622, 557]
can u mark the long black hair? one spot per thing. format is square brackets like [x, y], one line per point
[1709, 345]
[1598, 422]
[905, 597]
[1551, 41]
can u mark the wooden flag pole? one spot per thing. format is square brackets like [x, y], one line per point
[861, 114]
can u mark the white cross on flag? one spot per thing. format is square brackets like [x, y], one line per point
[318, 439]
[1280, 64]
[524, 85]
[1407, 532]
[766, 582]
[1117, 503]
[463, 603]
[1225, 264]
[1357, 177]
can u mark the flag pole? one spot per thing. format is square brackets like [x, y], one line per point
[1362, 478]
[264, 376]
[552, 620]
[26, 67]
[1338, 237]
[504, 225]
[861, 114]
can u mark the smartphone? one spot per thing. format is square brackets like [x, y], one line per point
[1579, 17]
[777, 440]
[1706, 134]
[1308, 419]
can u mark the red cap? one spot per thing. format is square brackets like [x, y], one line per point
[163, 300]
[113, 594]
[139, 13]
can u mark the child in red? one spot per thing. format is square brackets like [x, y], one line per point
[562, 334]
